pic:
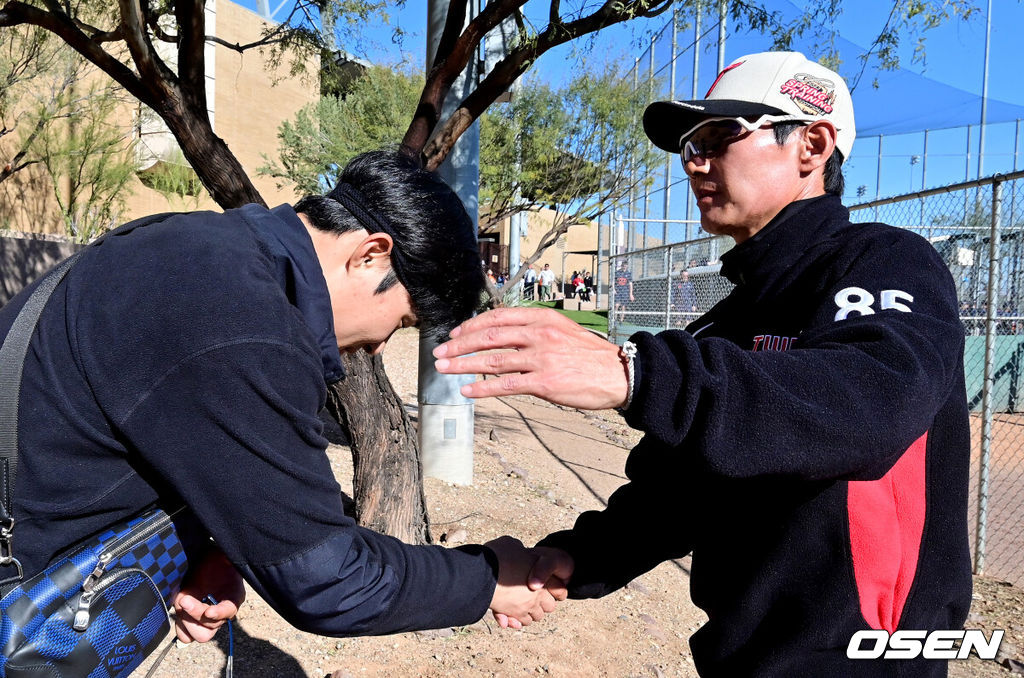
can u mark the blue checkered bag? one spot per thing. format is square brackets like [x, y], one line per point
[100, 610]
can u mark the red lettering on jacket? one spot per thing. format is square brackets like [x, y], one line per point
[772, 342]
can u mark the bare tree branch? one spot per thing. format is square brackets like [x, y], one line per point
[17, 13]
[18, 162]
[94, 33]
[236, 47]
[864, 58]
[554, 17]
[451, 32]
[512, 66]
[153, 22]
[152, 70]
[455, 48]
[191, 18]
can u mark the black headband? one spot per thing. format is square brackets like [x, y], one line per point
[352, 200]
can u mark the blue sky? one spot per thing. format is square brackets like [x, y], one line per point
[955, 57]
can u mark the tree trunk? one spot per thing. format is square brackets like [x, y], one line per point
[388, 476]
[214, 163]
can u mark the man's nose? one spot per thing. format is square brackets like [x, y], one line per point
[697, 164]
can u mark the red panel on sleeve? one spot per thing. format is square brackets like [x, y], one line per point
[886, 526]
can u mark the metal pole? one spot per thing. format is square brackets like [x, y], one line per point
[564, 255]
[1013, 184]
[668, 290]
[967, 162]
[984, 90]
[924, 172]
[647, 188]
[967, 174]
[597, 268]
[878, 175]
[515, 235]
[924, 160]
[515, 223]
[721, 35]
[613, 226]
[445, 415]
[630, 211]
[496, 46]
[698, 11]
[1016, 144]
[986, 394]
[671, 157]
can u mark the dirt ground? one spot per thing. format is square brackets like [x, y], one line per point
[537, 466]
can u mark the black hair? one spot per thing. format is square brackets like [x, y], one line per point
[835, 183]
[435, 235]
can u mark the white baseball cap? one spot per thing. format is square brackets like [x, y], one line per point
[784, 85]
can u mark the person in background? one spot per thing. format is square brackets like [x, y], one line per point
[623, 290]
[547, 283]
[684, 299]
[530, 283]
[588, 285]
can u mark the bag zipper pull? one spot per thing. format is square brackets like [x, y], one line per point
[81, 622]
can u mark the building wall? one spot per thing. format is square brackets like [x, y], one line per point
[246, 107]
[249, 106]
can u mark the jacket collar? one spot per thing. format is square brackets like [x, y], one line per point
[784, 240]
[298, 271]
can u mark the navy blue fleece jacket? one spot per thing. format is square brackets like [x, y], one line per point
[807, 441]
[185, 357]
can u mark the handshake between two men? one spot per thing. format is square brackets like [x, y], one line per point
[542, 353]
[531, 581]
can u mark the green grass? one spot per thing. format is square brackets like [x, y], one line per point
[592, 320]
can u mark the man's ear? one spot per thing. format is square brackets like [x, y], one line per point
[818, 144]
[374, 250]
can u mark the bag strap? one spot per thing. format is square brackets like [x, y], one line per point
[12, 363]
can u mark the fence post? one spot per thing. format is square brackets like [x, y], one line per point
[597, 267]
[613, 264]
[987, 392]
[668, 287]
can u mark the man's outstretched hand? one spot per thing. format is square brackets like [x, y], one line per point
[553, 358]
[530, 582]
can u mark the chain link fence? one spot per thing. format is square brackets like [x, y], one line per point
[978, 229]
[664, 287]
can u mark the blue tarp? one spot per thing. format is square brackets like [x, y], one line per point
[907, 102]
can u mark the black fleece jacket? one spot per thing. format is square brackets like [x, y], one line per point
[807, 441]
[185, 357]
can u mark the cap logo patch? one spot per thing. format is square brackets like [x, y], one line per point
[812, 95]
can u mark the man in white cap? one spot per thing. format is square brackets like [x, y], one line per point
[807, 439]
